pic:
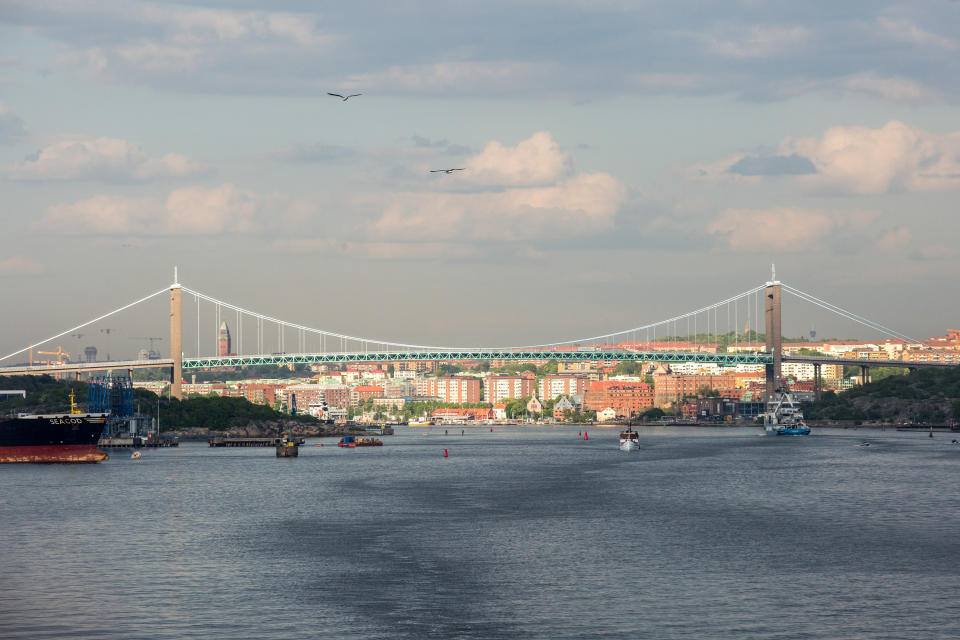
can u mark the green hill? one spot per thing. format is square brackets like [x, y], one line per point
[923, 396]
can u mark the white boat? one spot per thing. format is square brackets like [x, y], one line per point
[783, 417]
[629, 440]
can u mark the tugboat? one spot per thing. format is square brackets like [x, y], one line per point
[629, 439]
[783, 417]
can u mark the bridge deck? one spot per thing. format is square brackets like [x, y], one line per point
[724, 359]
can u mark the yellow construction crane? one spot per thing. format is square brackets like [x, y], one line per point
[60, 353]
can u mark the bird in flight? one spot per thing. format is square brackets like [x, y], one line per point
[446, 170]
[342, 97]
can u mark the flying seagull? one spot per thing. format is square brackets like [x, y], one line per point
[446, 170]
[344, 98]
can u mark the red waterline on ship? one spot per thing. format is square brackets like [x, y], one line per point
[53, 453]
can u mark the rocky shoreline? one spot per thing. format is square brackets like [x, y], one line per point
[273, 428]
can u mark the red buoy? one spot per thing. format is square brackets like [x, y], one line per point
[491, 429]
[444, 453]
[585, 436]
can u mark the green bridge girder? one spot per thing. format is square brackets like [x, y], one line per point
[730, 359]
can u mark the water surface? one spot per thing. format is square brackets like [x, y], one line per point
[519, 533]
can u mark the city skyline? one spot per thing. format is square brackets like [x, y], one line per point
[659, 163]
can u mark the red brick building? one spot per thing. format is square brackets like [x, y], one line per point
[626, 398]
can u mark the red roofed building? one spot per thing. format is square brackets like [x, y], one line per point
[363, 392]
[462, 415]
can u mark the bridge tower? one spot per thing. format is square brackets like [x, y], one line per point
[774, 338]
[176, 337]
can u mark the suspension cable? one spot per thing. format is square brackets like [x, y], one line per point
[85, 324]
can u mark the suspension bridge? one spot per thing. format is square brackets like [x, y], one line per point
[639, 344]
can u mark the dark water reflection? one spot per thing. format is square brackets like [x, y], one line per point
[522, 533]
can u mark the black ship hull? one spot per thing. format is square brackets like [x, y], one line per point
[52, 438]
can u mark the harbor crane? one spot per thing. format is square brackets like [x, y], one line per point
[60, 353]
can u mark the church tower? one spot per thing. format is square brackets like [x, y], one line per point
[223, 340]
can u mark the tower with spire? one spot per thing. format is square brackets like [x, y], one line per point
[223, 340]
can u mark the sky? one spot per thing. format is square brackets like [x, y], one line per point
[624, 161]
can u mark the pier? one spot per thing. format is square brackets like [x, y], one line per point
[250, 442]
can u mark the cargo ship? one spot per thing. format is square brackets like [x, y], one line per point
[53, 437]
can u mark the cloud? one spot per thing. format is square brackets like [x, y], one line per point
[851, 160]
[895, 239]
[11, 125]
[908, 33]
[585, 204]
[20, 266]
[890, 88]
[462, 77]
[537, 160]
[895, 157]
[102, 159]
[499, 49]
[786, 229]
[187, 211]
[760, 41]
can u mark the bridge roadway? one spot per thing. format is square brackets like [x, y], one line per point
[79, 367]
[726, 359]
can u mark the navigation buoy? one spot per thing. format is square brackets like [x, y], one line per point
[136, 455]
[580, 433]
[491, 429]
[585, 436]
[444, 453]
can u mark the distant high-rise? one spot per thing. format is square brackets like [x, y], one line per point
[90, 354]
[223, 340]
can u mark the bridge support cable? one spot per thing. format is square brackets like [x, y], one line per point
[365, 344]
[893, 333]
[86, 324]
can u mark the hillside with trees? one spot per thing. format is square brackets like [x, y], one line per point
[924, 396]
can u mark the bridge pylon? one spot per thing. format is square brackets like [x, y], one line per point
[774, 338]
[176, 338]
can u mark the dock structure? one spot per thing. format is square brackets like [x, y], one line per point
[250, 442]
[136, 442]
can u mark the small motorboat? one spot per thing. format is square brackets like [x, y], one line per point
[629, 439]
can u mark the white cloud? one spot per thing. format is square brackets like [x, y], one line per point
[188, 211]
[461, 77]
[537, 160]
[198, 210]
[854, 160]
[891, 88]
[20, 266]
[760, 41]
[102, 159]
[895, 157]
[585, 204]
[786, 229]
[909, 33]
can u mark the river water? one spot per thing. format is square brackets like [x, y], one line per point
[519, 533]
